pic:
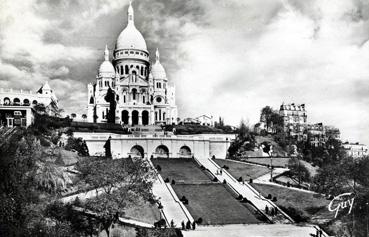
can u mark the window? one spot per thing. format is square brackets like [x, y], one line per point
[158, 99]
[131, 52]
[134, 92]
[124, 99]
[126, 52]
[126, 69]
[143, 99]
[121, 70]
[137, 53]
[142, 73]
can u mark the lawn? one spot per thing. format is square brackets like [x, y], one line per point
[283, 162]
[214, 204]
[181, 170]
[312, 206]
[143, 211]
[244, 170]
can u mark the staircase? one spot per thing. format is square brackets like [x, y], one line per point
[247, 191]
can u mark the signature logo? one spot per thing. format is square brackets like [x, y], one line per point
[340, 202]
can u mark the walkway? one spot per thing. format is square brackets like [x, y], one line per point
[246, 191]
[260, 230]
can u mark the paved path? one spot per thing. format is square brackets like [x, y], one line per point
[260, 230]
[246, 191]
[266, 177]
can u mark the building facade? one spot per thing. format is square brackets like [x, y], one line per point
[143, 93]
[355, 150]
[16, 105]
[294, 119]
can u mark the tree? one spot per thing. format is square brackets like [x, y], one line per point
[123, 181]
[243, 130]
[298, 170]
[73, 115]
[84, 116]
[110, 97]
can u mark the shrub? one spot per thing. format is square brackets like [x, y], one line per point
[202, 167]
[215, 179]
[288, 184]
[199, 221]
[173, 182]
[245, 200]
[224, 181]
[274, 199]
[240, 179]
[240, 197]
[213, 157]
[295, 214]
[158, 168]
[250, 181]
[44, 142]
[269, 196]
[167, 180]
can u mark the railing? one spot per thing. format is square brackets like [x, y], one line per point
[173, 194]
[255, 192]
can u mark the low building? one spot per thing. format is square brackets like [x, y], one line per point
[206, 120]
[17, 106]
[355, 150]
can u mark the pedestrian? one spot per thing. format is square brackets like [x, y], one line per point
[183, 225]
[266, 209]
[221, 171]
[172, 223]
[188, 225]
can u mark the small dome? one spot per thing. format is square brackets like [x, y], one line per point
[106, 69]
[130, 37]
[157, 69]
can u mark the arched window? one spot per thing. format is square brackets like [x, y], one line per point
[142, 71]
[6, 101]
[16, 101]
[134, 92]
[163, 116]
[26, 102]
[134, 76]
[34, 102]
[156, 115]
[143, 99]
[121, 70]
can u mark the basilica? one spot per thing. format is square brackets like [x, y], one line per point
[143, 95]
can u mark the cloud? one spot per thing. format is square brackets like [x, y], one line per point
[226, 58]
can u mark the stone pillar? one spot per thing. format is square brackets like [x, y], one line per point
[129, 119]
[140, 119]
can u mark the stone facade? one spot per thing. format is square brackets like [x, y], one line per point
[294, 119]
[16, 105]
[143, 94]
[355, 150]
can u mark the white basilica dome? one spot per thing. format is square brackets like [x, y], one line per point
[130, 37]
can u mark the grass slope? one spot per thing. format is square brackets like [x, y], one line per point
[244, 170]
[214, 204]
[181, 170]
[311, 206]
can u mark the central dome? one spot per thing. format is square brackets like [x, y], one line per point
[130, 37]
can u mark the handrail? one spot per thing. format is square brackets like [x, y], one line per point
[255, 192]
[175, 197]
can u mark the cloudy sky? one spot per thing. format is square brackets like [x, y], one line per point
[227, 58]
